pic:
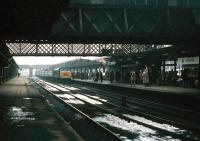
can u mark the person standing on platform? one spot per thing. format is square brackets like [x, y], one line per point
[92, 76]
[159, 78]
[162, 77]
[111, 76]
[145, 76]
[140, 76]
[101, 76]
[184, 76]
[133, 78]
[97, 76]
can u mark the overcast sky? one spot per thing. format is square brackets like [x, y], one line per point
[46, 60]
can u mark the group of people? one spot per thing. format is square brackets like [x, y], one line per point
[111, 75]
[147, 76]
[189, 78]
[144, 77]
[98, 76]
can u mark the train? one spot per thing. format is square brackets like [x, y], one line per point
[179, 3]
[61, 72]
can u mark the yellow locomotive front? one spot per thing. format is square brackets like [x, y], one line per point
[62, 72]
[65, 74]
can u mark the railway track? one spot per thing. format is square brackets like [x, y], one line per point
[105, 113]
[137, 119]
[89, 129]
[157, 109]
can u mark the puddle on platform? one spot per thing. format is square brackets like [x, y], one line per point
[143, 133]
[16, 114]
[78, 117]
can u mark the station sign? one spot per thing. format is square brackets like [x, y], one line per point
[188, 60]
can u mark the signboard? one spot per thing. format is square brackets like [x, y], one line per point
[188, 60]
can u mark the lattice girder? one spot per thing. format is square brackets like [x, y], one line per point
[128, 24]
[44, 49]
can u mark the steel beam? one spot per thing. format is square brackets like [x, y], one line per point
[153, 25]
[29, 49]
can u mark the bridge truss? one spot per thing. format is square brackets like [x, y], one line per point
[146, 25]
[109, 24]
[35, 49]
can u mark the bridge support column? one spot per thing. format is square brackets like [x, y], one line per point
[91, 73]
[1, 75]
[164, 73]
[199, 74]
[175, 74]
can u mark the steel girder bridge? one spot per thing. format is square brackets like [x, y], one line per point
[27, 49]
[152, 25]
[96, 30]
[99, 24]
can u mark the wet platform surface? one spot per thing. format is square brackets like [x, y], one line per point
[26, 116]
[195, 92]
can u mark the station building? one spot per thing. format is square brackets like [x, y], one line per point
[167, 69]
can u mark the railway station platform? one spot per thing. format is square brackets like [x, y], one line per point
[193, 92]
[26, 116]
[186, 98]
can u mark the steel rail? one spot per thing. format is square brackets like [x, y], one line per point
[107, 131]
[184, 113]
[127, 118]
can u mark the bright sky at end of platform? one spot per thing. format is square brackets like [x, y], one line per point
[46, 60]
